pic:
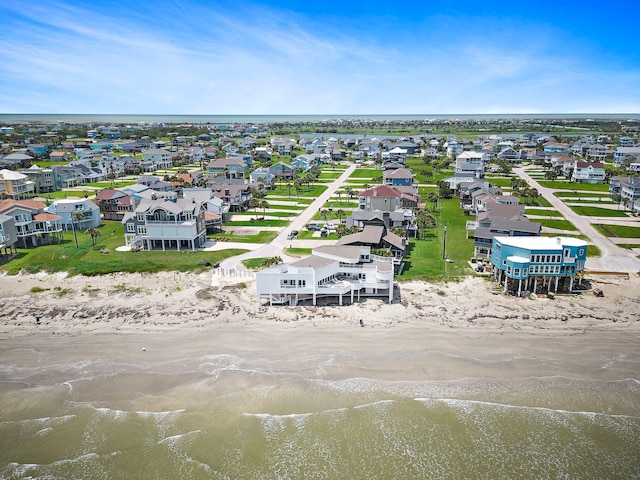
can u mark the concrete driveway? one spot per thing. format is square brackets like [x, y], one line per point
[613, 258]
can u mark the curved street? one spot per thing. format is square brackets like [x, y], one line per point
[613, 258]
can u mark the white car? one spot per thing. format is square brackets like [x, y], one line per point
[330, 226]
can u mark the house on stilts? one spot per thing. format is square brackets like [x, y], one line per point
[527, 265]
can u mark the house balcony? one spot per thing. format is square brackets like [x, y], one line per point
[22, 232]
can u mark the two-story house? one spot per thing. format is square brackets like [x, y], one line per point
[43, 179]
[585, 172]
[113, 204]
[76, 213]
[159, 157]
[624, 155]
[33, 224]
[160, 224]
[15, 185]
[386, 199]
[8, 234]
[533, 264]
[330, 274]
[236, 196]
[227, 167]
[400, 177]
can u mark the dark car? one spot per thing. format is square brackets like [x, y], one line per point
[314, 227]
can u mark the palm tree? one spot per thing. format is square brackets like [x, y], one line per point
[433, 198]
[424, 220]
[350, 192]
[264, 205]
[255, 204]
[94, 233]
[75, 216]
[340, 214]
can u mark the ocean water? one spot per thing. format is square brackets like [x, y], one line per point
[22, 118]
[232, 417]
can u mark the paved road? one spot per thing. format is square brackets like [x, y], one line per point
[278, 244]
[613, 258]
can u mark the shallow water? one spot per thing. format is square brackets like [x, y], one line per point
[230, 417]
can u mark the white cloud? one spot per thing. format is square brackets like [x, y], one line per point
[186, 58]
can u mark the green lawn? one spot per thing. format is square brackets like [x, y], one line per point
[257, 223]
[628, 246]
[557, 224]
[566, 194]
[108, 184]
[294, 208]
[538, 202]
[424, 259]
[65, 257]
[313, 191]
[542, 213]
[499, 181]
[61, 194]
[264, 236]
[366, 173]
[622, 231]
[587, 187]
[589, 211]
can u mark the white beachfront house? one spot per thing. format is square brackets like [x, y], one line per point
[331, 272]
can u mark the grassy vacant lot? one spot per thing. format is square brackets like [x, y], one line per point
[588, 211]
[263, 236]
[542, 213]
[257, 223]
[622, 231]
[311, 191]
[576, 195]
[366, 173]
[424, 258]
[575, 187]
[557, 224]
[65, 257]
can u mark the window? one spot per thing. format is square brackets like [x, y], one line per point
[509, 270]
[140, 217]
[516, 272]
[525, 272]
[142, 230]
[131, 228]
[302, 283]
[581, 252]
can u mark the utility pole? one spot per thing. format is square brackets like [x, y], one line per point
[444, 244]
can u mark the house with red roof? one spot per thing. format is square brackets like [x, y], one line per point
[386, 199]
[588, 172]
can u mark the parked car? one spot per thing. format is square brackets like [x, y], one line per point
[324, 232]
[330, 226]
[292, 234]
[314, 227]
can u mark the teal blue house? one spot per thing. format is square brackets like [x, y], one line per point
[537, 264]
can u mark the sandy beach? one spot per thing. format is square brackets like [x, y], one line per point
[172, 315]
[178, 375]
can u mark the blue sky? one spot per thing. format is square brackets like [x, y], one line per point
[319, 57]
